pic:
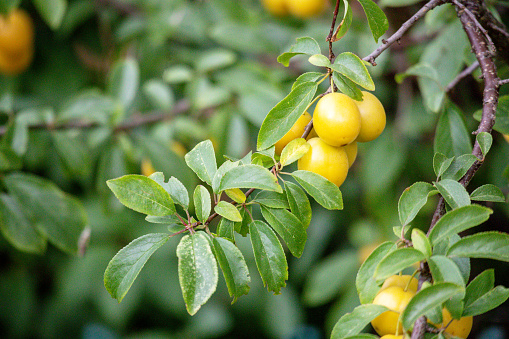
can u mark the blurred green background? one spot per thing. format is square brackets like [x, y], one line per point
[209, 68]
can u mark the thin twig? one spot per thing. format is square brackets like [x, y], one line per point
[503, 82]
[466, 72]
[402, 30]
[331, 33]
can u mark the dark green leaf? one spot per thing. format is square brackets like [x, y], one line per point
[487, 302]
[479, 286]
[322, 190]
[9, 160]
[352, 323]
[377, 20]
[226, 229]
[202, 203]
[299, 203]
[452, 137]
[250, 176]
[345, 23]
[488, 193]
[453, 192]
[228, 211]
[272, 199]
[128, 262]
[352, 67]
[489, 245]
[441, 163]
[73, 151]
[396, 261]
[347, 86]
[485, 140]
[303, 45]
[52, 11]
[307, 77]
[459, 220]
[459, 167]
[412, 200]
[202, 160]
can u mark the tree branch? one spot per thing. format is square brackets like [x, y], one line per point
[331, 32]
[466, 72]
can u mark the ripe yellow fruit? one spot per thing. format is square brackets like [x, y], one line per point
[276, 7]
[351, 152]
[336, 119]
[372, 117]
[306, 8]
[16, 42]
[459, 328]
[294, 132]
[392, 336]
[396, 299]
[146, 167]
[328, 161]
[401, 281]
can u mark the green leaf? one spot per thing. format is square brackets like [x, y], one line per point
[7, 6]
[421, 242]
[398, 3]
[236, 195]
[352, 67]
[214, 60]
[289, 228]
[347, 86]
[226, 229]
[202, 160]
[284, 115]
[502, 121]
[377, 20]
[124, 81]
[412, 200]
[52, 11]
[479, 286]
[234, 267]
[452, 137]
[178, 192]
[345, 23]
[305, 45]
[459, 167]
[488, 193]
[453, 192]
[166, 219]
[487, 302]
[307, 77]
[228, 211]
[225, 167]
[58, 217]
[17, 229]
[441, 163]
[459, 220]
[243, 227]
[485, 140]
[73, 151]
[158, 94]
[322, 190]
[272, 199]
[250, 176]
[427, 299]
[354, 322]
[202, 203]
[299, 203]
[367, 288]
[142, 194]
[9, 160]
[197, 269]
[269, 256]
[293, 151]
[128, 262]
[178, 74]
[488, 245]
[396, 261]
[319, 60]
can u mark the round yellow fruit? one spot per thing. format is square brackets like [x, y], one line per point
[16, 42]
[458, 328]
[336, 119]
[328, 161]
[276, 7]
[396, 299]
[401, 281]
[351, 152]
[372, 117]
[12, 64]
[392, 336]
[306, 8]
[294, 132]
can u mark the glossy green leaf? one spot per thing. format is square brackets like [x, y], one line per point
[488, 245]
[243, 227]
[294, 151]
[142, 194]
[226, 229]
[299, 203]
[459, 220]
[485, 140]
[352, 67]
[377, 20]
[124, 81]
[250, 176]
[322, 190]
[452, 137]
[367, 288]
[319, 60]
[284, 115]
[305, 45]
[228, 211]
[421, 242]
[307, 77]
[488, 193]
[459, 167]
[347, 86]
[269, 256]
[202, 203]
[427, 299]
[479, 286]
[225, 167]
[397, 260]
[412, 200]
[128, 262]
[234, 267]
[202, 160]
[197, 269]
[236, 194]
[441, 163]
[487, 302]
[289, 228]
[453, 192]
[178, 192]
[354, 322]
[271, 199]
[52, 11]
[345, 23]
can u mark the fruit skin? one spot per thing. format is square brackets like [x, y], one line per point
[336, 119]
[392, 336]
[396, 299]
[459, 328]
[328, 161]
[294, 132]
[351, 152]
[372, 117]
[16, 42]
[306, 8]
[401, 281]
[276, 7]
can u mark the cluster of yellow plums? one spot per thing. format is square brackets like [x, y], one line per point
[339, 122]
[299, 8]
[395, 294]
[16, 42]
